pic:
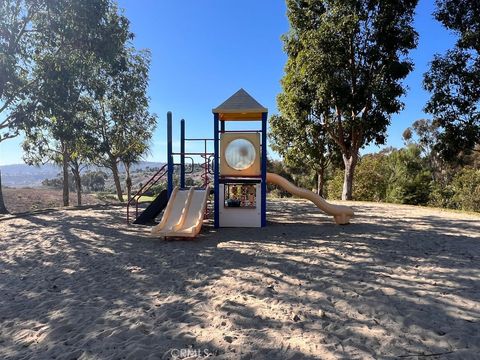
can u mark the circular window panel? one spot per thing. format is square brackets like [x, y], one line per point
[240, 154]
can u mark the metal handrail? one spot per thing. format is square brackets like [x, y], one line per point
[210, 164]
[239, 131]
[147, 186]
[197, 139]
[192, 166]
[192, 153]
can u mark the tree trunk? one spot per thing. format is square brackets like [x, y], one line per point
[128, 181]
[350, 163]
[116, 179]
[3, 208]
[78, 185]
[320, 181]
[66, 168]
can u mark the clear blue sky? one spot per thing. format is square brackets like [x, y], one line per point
[204, 51]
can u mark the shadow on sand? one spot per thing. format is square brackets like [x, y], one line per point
[389, 285]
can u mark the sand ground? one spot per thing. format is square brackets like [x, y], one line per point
[399, 282]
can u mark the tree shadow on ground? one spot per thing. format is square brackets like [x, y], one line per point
[83, 284]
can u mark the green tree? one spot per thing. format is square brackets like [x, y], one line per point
[40, 148]
[78, 36]
[466, 189]
[408, 176]
[371, 178]
[17, 26]
[278, 167]
[16, 51]
[473, 158]
[346, 60]
[139, 148]
[392, 175]
[303, 145]
[120, 119]
[454, 82]
[425, 133]
[58, 141]
[55, 183]
[79, 160]
[94, 180]
[335, 184]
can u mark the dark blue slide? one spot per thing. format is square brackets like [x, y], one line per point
[147, 217]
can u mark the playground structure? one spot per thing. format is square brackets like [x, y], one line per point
[155, 208]
[238, 165]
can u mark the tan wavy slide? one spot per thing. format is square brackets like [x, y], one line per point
[342, 214]
[183, 216]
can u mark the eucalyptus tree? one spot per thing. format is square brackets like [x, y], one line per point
[16, 51]
[121, 121]
[77, 36]
[425, 133]
[17, 46]
[79, 160]
[133, 156]
[346, 61]
[40, 148]
[303, 144]
[454, 82]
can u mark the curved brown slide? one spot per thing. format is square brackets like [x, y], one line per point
[342, 214]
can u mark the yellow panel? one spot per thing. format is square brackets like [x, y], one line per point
[240, 116]
[255, 169]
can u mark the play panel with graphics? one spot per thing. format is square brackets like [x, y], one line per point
[240, 182]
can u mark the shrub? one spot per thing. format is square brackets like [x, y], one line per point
[466, 189]
[156, 189]
[94, 180]
[441, 196]
[335, 185]
[370, 178]
[106, 196]
[408, 177]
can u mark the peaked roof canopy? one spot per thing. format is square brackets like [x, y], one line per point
[240, 106]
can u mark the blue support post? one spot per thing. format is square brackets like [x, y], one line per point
[264, 169]
[182, 154]
[169, 154]
[216, 176]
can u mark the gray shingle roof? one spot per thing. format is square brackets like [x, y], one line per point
[240, 102]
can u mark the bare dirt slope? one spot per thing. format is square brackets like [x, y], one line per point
[399, 282]
[29, 199]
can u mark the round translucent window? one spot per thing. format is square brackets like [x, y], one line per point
[240, 154]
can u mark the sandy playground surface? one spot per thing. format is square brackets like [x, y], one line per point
[399, 282]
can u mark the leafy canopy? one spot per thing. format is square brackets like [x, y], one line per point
[454, 82]
[346, 60]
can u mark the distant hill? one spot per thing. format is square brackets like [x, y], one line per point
[22, 175]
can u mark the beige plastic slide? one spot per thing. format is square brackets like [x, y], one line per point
[183, 216]
[342, 214]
